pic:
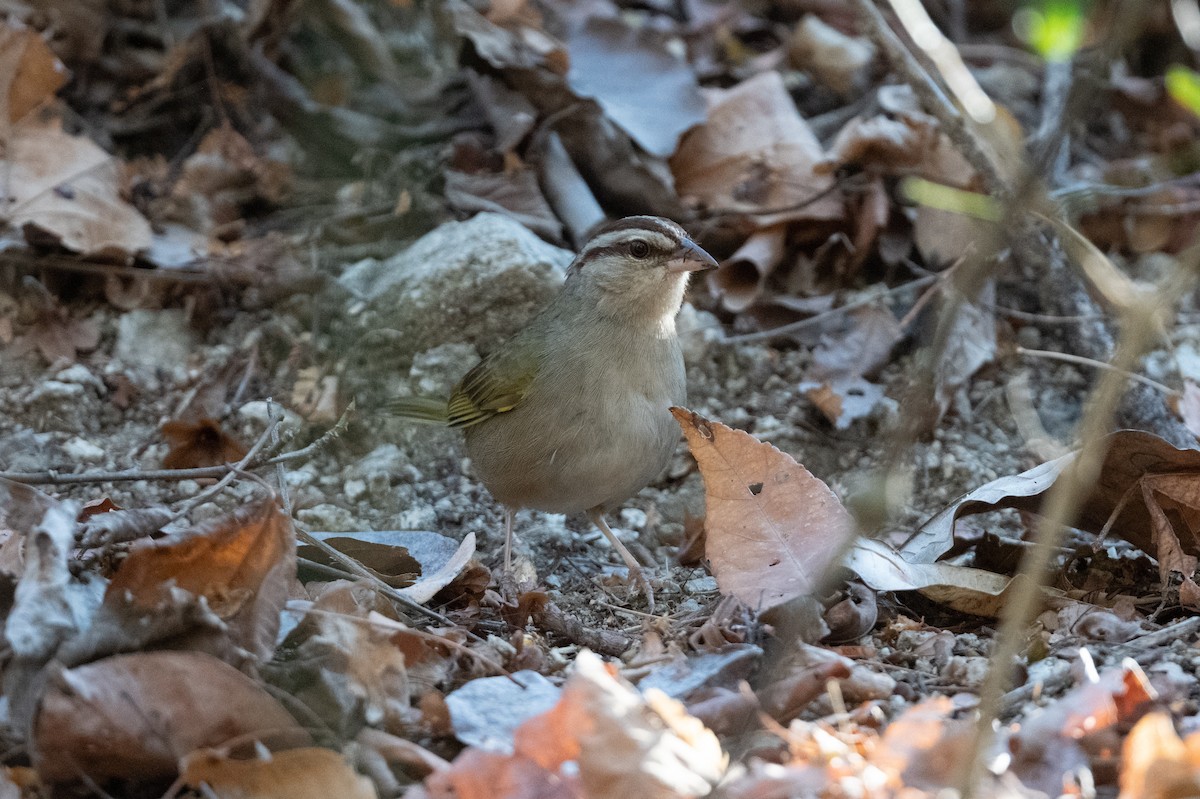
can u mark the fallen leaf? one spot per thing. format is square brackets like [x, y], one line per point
[30, 73]
[625, 744]
[1156, 764]
[199, 443]
[58, 336]
[755, 154]
[742, 276]
[307, 773]
[652, 94]
[773, 529]
[134, 716]
[66, 189]
[975, 591]
[240, 565]
[1147, 491]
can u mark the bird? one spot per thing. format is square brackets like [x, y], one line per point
[572, 413]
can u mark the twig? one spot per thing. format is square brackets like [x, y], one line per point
[239, 468]
[934, 99]
[606, 642]
[1062, 504]
[793, 327]
[1080, 360]
[51, 477]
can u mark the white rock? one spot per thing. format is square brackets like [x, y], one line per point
[329, 518]
[355, 489]
[260, 411]
[78, 373]
[161, 339]
[79, 449]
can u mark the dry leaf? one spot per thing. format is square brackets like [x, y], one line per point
[1146, 491]
[241, 565]
[1156, 764]
[134, 716]
[67, 189]
[651, 93]
[30, 73]
[757, 155]
[308, 773]
[773, 529]
[742, 276]
[625, 744]
[58, 336]
[199, 443]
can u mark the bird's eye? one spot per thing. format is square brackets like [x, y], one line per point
[639, 248]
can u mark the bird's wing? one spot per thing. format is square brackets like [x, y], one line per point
[497, 384]
[425, 410]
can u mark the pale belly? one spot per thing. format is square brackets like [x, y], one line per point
[604, 452]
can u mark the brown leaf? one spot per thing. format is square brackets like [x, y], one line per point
[199, 443]
[307, 773]
[755, 154]
[1156, 764]
[1141, 477]
[134, 716]
[773, 528]
[66, 189]
[743, 276]
[30, 73]
[240, 565]
[58, 336]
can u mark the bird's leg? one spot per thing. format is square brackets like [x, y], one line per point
[508, 521]
[635, 568]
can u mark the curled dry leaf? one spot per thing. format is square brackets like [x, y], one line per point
[839, 61]
[199, 443]
[307, 773]
[742, 276]
[836, 382]
[134, 716]
[757, 155]
[1147, 491]
[241, 565]
[773, 529]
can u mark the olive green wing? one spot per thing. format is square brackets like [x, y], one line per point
[497, 384]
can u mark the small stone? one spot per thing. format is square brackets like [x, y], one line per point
[701, 585]
[54, 391]
[329, 518]
[259, 411]
[422, 517]
[355, 489]
[161, 339]
[79, 449]
[78, 373]
[633, 518]
[206, 511]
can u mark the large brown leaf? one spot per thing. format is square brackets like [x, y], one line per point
[773, 529]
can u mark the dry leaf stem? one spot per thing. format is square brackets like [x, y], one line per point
[1138, 332]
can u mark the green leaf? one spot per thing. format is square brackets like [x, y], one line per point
[948, 198]
[1183, 85]
[1054, 29]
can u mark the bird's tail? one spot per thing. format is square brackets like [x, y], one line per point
[423, 410]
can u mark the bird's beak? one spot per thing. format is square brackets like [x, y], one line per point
[690, 257]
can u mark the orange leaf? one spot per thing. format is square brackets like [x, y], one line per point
[200, 443]
[773, 528]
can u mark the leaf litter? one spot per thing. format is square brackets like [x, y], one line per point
[179, 638]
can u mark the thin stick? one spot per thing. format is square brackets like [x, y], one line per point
[51, 477]
[792, 327]
[1082, 361]
[1062, 504]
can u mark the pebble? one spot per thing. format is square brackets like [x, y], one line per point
[79, 449]
[329, 518]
